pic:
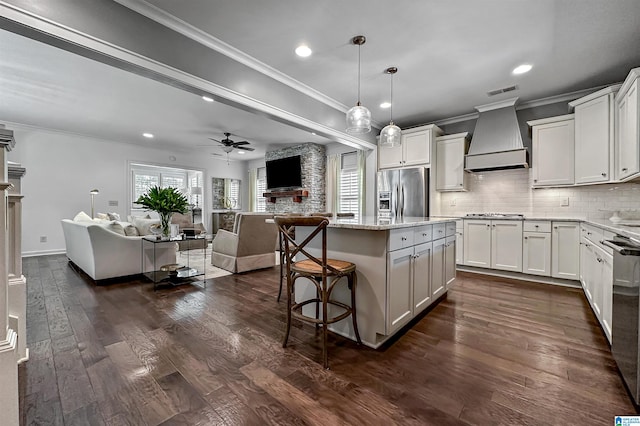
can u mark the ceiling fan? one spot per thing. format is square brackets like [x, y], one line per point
[228, 145]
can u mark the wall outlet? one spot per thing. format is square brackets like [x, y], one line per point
[452, 203]
[113, 203]
[43, 239]
[564, 202]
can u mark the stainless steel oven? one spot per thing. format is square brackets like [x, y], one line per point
[625, 324]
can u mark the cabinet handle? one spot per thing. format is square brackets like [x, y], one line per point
[424, 234]
[460, 184]
[604, 175]
[588, 233]
[555, 227]
[488, 225]
[526, 238]
[625, 169]
[599, 260]
[535, 180]
[416, 256]
[403, 238]
[537, 226]
[494, 226]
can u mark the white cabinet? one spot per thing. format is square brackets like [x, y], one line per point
[459, 242]
[450, 152]
[422, 277]
[565, 250]
[607, 293]
[449, 261]
[495, 244]
[627, 143]
[594, 136]
[399, 288]
[438, 280]
[536, 253]
[506, 245]
[414, 149]
[553, 151]
[477, 243]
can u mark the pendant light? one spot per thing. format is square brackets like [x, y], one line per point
[358, 117]
[390, 134]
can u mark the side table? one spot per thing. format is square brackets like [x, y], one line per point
[164, 265]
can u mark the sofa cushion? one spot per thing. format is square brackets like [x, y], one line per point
[130, 230]
[116, 227]
[82, 217]
[102, 216]
[113, 216]
[144, 225]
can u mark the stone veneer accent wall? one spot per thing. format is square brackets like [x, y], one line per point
[313, 163]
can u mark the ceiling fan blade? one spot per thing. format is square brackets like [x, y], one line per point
[215, 140]
[241, 143]
[246, 148]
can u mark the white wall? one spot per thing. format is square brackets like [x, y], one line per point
[509, 191]
[62, 168]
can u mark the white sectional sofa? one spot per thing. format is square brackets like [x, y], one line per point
[103, 254]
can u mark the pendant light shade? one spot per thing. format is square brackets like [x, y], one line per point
[390, 134]
[358, 117]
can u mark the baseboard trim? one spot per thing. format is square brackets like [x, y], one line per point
[520, 276]
[43, 252]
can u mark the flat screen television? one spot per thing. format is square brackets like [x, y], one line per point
[284, 173]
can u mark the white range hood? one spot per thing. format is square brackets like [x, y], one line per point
[497, 142]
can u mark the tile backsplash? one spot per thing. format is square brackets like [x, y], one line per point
[509, 191]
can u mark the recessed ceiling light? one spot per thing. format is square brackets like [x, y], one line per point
[385, 105]
[241, 152]
[521, 69]
[313, 133]
[207, 99]
[303, 51]
[148, 135]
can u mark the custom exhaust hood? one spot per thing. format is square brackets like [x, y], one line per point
[497, 142]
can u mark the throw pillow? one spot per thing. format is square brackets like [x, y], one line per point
[82, 217]
[103, 216]
[144, 225]
[113, 216]
[116, 227]
[131, 231]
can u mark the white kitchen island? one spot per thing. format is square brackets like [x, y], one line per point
[403, 266]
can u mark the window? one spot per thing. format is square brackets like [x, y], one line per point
[261, 188]
[348, 187]
[144, 176]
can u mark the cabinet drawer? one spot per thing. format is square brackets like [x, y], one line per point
[439, 231]
[450, 228]
[536, 226]
[422, 234]
[400, 238]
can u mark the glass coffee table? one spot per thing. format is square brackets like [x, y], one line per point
[166, 266]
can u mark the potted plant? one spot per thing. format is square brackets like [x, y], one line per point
[166, 202]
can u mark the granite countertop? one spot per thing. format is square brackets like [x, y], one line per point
[374, 223]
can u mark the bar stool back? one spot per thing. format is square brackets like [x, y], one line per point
[324, 273]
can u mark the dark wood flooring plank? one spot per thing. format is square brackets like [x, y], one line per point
[73, 383]
[192, 408]
[89, 415]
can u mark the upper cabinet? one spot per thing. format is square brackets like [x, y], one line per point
[627, 143]
[450, 152]
[553, 151]
[415, 148]
[594, 136]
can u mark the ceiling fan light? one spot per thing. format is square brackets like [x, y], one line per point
[358, 120]
[390, 136]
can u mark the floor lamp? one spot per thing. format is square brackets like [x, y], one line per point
[93, 193]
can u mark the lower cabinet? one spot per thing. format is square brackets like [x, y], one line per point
[450, 250]
[438, 282]
[399, 288]
[495, 244]
[536, 253]
[565, 250]
[459, 242]
[422, 278]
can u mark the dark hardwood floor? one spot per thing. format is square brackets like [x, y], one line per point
[492, 352]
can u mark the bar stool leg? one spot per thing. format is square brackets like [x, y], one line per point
[281, 254]
[289, 291]
[325, 330]
[353, 279]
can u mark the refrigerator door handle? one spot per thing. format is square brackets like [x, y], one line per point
[402, 201]
[397, 201]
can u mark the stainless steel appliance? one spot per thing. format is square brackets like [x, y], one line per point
[626, 310]
[403, 192]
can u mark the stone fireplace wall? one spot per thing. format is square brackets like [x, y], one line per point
[313, 163]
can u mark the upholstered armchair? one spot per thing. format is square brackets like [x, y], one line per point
[250, 246]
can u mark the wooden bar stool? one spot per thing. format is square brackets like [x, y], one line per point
[322, 272]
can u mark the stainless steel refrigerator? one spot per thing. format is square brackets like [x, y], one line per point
[402, 193]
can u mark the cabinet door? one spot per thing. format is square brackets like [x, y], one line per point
[421, 277]
[565, 251]
[399, 288]
[607, 294]
[477, 243]
[628, 137]
[592, 140]
[450, 165]
[389, 157]
[596, 290]
[416, 148]
[536, 253]
[506, 245]
[553, 153]
[438, 283]
[459, 247]
[450, 261]
[589, 270]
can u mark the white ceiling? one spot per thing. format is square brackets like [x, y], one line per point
[449, 54]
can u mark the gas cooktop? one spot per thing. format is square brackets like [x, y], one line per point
[496, 215]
